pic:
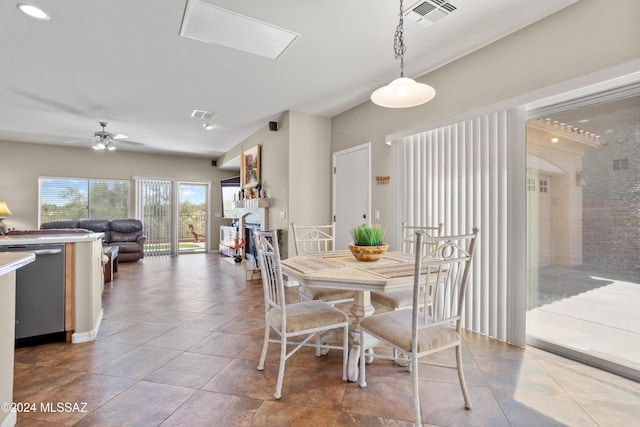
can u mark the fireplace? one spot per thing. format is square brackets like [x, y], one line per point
[250, 245]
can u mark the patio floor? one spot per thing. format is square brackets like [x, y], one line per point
[603, 322]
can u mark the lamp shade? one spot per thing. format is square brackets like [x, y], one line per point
[4, 209]
[403, 92]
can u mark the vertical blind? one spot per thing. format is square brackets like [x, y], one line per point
[457, 175]
[153, 206]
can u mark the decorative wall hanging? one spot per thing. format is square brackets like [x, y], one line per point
[250, 172]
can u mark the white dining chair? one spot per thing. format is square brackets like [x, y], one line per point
[318, 238]
[417, 332]
[402, 299]
[299, 321]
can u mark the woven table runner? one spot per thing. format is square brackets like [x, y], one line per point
[330, 254]
[400, 256]
[396, 256]
[392, 270]
[307, 264]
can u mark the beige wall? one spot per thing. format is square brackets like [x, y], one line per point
[295, 171]
[23, 163]
[581, 39]
[309, 171]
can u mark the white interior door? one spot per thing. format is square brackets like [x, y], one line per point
[351, 191]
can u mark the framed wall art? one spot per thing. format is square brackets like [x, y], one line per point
[250, 167]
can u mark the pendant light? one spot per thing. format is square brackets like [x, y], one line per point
[403, 92]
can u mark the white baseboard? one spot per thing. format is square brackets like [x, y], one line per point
[77, 338]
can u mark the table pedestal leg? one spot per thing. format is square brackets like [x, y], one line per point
[361, 308]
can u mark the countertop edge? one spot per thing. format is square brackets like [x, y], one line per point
[11, 261]
[36, 239]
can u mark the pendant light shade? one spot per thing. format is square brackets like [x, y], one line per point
[403, 92]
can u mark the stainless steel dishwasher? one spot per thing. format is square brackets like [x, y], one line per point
[40, 292]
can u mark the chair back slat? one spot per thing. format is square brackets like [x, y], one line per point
[270, 271]
[409, 236]
[313, 238]
[447, 266]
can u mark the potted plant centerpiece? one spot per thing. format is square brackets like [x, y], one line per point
[367, 243]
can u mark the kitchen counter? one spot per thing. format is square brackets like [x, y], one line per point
[36, 239]
[9, 263]
[83, 278]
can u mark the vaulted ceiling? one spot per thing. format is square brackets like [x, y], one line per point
[124, 62]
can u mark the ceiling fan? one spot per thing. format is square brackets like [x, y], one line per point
[104, 140]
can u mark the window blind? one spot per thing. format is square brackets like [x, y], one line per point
[153, 206]
[77, 198]
[457, 175]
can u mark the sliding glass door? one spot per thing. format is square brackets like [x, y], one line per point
[192, 217]
[583, 234]
[154, 202]
[175, 215]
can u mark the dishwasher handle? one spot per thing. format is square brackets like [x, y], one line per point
[47, 251]
[35, 251]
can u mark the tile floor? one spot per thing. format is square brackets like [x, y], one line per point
[179, 345]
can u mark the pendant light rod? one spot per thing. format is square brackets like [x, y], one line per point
[399, 48]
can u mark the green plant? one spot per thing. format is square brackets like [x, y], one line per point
[367, 235]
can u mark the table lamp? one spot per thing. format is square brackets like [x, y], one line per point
[4, 211]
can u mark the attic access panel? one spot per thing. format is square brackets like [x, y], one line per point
[210, 24]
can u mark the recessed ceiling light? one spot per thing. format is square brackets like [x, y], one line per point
[208, 126]
[583, 121]
[33, 11]
[555, 140]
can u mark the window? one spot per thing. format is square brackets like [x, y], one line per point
[531, 184]
[230, 189]
[76, 198]
[620, 164]
[543, 186]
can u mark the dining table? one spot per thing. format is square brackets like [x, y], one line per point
[341, 270]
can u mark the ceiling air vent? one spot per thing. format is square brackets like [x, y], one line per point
[428, 12]
[202, 114]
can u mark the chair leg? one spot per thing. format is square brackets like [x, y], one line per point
[416, 390]
[283, 357]
[318, 344]
[463, 385]
[265, 346]
[345, 352]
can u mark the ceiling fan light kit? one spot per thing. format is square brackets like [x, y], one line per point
[402, 92]
[103, 140]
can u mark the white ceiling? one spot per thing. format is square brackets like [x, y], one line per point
[124, 62]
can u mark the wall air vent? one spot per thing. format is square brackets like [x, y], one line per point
[428, 12]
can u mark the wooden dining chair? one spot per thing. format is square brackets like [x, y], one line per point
[402, 299]
[317, 238]
[418, 332]
[299, 321]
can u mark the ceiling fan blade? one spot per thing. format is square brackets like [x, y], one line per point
[120, 136]
[80, 141]
[123, 142]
